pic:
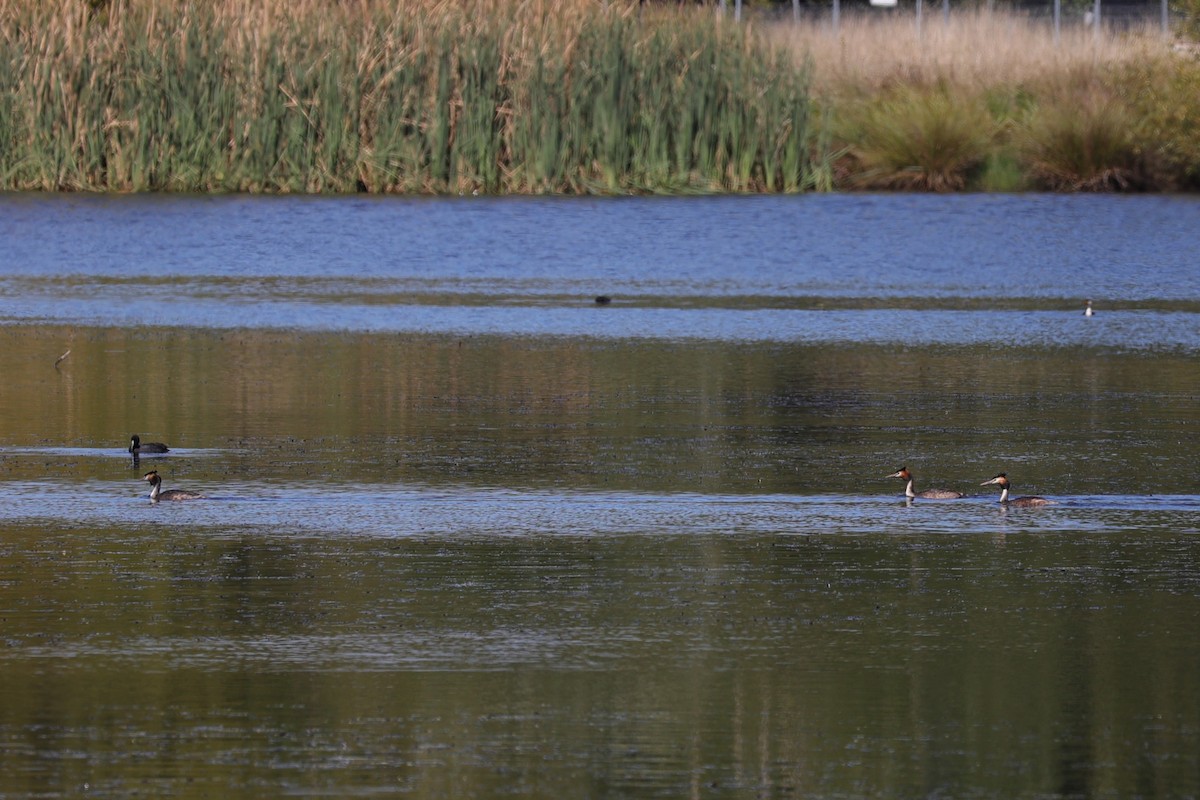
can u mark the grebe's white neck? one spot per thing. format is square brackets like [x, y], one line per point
[155, 488]
[908, 490]
[1003, 493]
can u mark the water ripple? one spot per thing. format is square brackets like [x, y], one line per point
[406, 511]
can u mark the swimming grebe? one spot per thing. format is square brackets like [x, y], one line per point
[928, 494]
[1087, 312]
[156, 492]
[137, 448]
[1002, 481]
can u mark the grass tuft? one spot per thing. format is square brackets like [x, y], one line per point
[1087, 146]
[919, 139]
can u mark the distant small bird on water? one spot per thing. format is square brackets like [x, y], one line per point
[603, 300]
[1087, 312]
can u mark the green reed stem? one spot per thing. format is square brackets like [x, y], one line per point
[184, 97]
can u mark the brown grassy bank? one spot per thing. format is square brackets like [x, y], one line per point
[996, 101]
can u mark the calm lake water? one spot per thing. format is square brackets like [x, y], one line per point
[470, 534]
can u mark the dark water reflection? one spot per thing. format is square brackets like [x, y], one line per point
[469, 535]
[661, 663]
[251, 409]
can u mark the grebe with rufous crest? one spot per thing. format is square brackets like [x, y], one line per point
[156, 492]
[928, 494]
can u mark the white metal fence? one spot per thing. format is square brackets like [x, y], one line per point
[1096, 14]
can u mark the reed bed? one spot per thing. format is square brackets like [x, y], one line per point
[576, 96]
[394, 96]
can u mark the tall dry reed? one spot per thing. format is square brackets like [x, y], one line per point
[974, 50]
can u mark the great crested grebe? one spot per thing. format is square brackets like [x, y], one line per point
[156, 492]
[1087, 312]
[137, 448]
[928, 494]
[1002, 481]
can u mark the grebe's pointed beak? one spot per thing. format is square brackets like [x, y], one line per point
[898, 474]
[996, 479]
